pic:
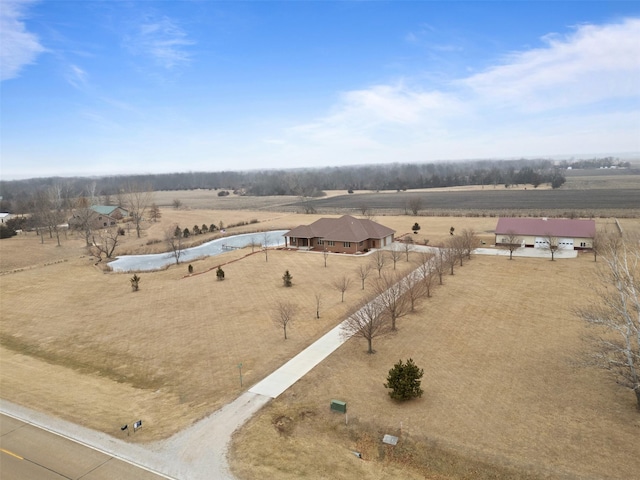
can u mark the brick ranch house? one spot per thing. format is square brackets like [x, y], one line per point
[101, 216]
[534, 232]
[346, 234]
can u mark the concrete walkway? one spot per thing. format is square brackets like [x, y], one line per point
[296, 368]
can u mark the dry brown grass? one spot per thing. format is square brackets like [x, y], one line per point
[498, 344]
[177, 341]
[500, 390]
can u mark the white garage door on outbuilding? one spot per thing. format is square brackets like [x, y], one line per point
[565, 243]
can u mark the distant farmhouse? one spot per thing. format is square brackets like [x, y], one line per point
[98, 216]
[346, 234]
[535, 232]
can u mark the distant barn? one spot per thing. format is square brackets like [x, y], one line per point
[535, 232]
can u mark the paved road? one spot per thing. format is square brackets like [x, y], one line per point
[28, 452]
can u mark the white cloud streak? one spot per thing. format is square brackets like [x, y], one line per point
[18, 47]
[592, 64]
[581, 84]
[163, 41]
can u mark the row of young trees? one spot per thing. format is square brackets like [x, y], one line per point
[394, 295]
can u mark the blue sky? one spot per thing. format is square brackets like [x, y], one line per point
[117, 87]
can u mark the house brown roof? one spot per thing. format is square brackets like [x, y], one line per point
[557, 227]
[343, 229]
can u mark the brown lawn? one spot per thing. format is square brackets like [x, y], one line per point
[503, 395]
[170, 351]
[496, 343]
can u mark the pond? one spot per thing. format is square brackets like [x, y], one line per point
[129, 263]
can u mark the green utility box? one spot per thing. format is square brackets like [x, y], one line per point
[338, 406]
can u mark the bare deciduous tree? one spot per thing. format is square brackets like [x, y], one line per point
[318, 297]
[84, 218]
[173, 239]
[407, 243]
[106, 242]
[440, 262]
[265, 246]
[425, 271]
[364, 271]
[414, 289]
[511, 242]
[154, 212]
[415, 205]
[51, 213]
[283, 315]
[551, 244]
[253, 244]
[395, 253]
[457, 250]
[599, 241]
[368, 323]
[450, 256]
[379, 260]
[616, 314]
[342, 284]
[391, 298]
[325, 255]
[137, 199]
[470, 241]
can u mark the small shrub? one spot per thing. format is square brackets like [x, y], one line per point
[287, 279]
[190, 268]
[135, 282]
[220, 274]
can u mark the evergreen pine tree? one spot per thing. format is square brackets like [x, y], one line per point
[404, 381]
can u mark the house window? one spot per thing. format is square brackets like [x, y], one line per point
[583, 244]
[331, 243]
[346, 244]
[320, 242]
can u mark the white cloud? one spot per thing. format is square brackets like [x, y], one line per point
[76, 76]
[18, 47]
[570, 95]
[592, 64]
[163, 41]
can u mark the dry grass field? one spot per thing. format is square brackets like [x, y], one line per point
[501, 391]
[503, 395]
[169, 352]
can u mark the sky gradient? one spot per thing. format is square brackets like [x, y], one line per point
[119, 87]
